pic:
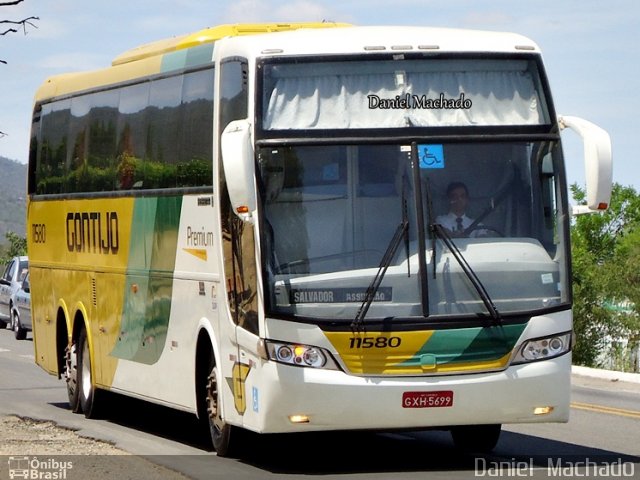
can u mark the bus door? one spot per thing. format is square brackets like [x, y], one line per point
[241, 285]
[239, 247]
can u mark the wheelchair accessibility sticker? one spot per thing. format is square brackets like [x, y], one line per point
[431, 156]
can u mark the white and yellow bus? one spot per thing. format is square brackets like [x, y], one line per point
[248, 223]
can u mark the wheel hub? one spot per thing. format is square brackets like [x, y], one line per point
[213, 408]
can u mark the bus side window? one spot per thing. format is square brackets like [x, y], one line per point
[163, 133]
[195, 164]
[131, 137]
[233, 91]
[50, 170]
[240, 266]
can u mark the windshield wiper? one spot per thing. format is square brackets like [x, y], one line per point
[401, 232]
[372, 289]
[441, 232]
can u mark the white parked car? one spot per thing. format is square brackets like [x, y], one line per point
[21, 313]
[10, 282]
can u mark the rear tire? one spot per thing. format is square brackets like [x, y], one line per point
[71, 375]
[88, 394]
[476, 438]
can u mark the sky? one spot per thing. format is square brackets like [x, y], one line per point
[590, 48]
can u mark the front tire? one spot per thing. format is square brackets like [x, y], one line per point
[10, 317]
[221, 432]
[476, 438]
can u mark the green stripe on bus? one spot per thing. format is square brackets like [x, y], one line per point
[187, 58]
[469, 344]
[149, 284]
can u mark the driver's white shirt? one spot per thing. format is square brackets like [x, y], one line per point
[449, 221]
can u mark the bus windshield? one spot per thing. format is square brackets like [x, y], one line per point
[399, 93]
[331, 212]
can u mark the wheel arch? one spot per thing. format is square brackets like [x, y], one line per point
[68, 330]
[63, 338]
[80, 322]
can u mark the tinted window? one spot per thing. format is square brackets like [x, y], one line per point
[7, 271]
[149, 135]
[12, 270]
[233, 92]
[51, 161]
[196, 154]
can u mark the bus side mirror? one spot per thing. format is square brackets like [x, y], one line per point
[239, 168]
[597, 163]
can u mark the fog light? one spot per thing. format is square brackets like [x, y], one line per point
[542, 410]
[298, 418]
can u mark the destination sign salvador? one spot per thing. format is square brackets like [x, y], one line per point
[337, 295]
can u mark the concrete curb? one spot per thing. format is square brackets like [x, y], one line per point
[606, 374]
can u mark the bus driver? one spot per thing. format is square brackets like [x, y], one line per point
[456, 221]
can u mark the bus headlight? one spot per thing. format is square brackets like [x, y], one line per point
[299, 355]
[543, 348]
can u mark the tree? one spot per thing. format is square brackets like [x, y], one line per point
[606, 275]
[11, 26]
[17, 246]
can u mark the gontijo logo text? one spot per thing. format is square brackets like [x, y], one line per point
[93, 232]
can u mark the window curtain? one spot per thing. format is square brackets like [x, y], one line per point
[343, 101]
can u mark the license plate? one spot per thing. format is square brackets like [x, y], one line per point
[442, 398]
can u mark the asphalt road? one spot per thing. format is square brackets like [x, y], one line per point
[602, 439]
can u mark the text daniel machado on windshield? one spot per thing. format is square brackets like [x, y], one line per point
[419, 101]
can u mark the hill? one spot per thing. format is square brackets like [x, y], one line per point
[13, 192]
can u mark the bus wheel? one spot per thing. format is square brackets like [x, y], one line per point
[71, 376]
[476, 438]
[219, 430]
[88, 394]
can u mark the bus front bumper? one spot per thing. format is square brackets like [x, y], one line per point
[295, 399]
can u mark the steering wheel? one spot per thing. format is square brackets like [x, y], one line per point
[483, 227]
